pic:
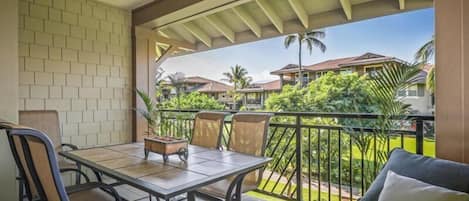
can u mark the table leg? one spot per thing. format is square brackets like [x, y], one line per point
[191, 196]
[146, 151]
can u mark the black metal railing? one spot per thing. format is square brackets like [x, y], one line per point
[323, 156]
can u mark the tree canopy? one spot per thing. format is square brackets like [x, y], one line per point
[194, 100]
[330, 93]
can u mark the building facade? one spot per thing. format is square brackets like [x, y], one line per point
[420, 99]
[212, 88]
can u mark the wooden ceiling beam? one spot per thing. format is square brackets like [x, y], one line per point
[271, 14]
[248, 20]
[198, 33]
[143, 32]
[401, 4]
[220, 26]
[300, 12]
[157, 9]
[347, 7]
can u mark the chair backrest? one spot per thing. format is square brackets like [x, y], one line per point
[46, 121]
[249, 135]
[208, 129]
[36, 160]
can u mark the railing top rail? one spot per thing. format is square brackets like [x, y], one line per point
[318, 114]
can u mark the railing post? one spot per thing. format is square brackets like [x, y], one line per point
[419, 136]
[299, 182]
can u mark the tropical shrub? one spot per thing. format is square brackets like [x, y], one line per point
[194, 100]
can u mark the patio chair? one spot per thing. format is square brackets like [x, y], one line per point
[248, 136]
[208, 129]
[47, 121]
[37, 162]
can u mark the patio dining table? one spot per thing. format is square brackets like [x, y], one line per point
[126, 163]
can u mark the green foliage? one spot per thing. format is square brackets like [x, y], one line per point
[340, 93]
[330, 93]
[238, 76]
[289, 100]
[423, 55]
[194, 100]
[384, 88]
[150, 111]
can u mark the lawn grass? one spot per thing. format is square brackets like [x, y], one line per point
[280, 186]
[409, 145]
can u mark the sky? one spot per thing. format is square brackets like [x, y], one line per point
[398, 35]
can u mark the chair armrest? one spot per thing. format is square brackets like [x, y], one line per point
[71, 146]
[87, 179]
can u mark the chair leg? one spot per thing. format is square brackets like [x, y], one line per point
[236, 186]
[78, 176]
[20, 190]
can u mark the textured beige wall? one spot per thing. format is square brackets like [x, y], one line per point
[8, 91]
[75, 57]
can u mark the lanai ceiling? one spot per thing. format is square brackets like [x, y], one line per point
[208, 24]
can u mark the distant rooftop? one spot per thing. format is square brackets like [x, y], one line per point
[274, 85]
[335, 64]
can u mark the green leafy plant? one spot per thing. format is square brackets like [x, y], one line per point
[384, 88]
[150, 112]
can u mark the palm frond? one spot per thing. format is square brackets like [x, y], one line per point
[290, 39]
[319, 44]
[316, 34]
[426, 52]
[430, 81]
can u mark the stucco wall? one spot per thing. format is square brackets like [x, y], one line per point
[75, 57]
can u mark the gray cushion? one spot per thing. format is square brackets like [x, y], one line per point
[447, 174]
[400, 188]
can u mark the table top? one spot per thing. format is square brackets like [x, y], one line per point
[126, 163]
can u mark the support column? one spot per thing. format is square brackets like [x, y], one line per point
[145, 64]
[9, 82]
[452, 79]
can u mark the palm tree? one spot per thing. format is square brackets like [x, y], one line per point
[177, 81]
[423, 55]
[238, 76]
[311, 39]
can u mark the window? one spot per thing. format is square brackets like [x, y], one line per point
[305, 77]
[321, 73]
[413, 91]
[346, 71]
[373, 71]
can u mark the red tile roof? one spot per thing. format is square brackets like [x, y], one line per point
[335, 64]
[206, 85]
[266, 86]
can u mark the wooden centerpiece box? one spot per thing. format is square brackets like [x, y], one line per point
[166, 146]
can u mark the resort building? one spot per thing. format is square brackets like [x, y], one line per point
[255, 95]
[212, 88]
[368, 63]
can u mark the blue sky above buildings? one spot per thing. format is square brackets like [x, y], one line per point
[397, 35]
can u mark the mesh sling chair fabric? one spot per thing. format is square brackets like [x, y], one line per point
[36, 159]
[48, 122]
[248, 136]
[208, 129]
